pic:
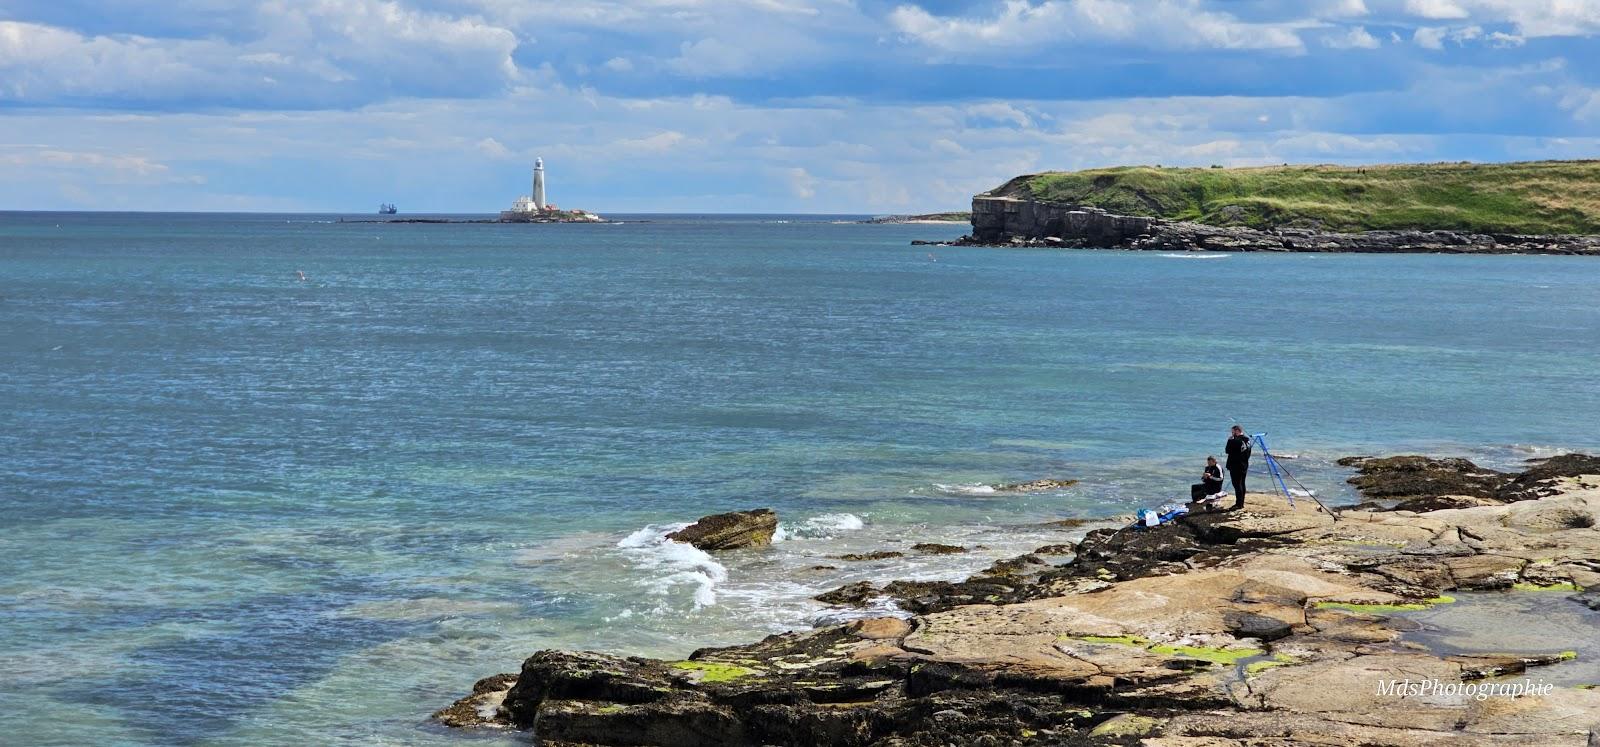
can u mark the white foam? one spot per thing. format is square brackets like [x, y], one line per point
[1537, 451]
[825, 526]
[669, 564]
[966, 489]
[1197, 255]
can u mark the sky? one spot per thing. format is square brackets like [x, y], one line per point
[832, 106]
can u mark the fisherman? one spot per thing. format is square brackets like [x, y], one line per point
[1210, 482]
[1238, 451]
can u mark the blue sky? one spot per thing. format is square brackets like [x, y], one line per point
[754, 105]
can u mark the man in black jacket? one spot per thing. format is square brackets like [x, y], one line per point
[1238, 451]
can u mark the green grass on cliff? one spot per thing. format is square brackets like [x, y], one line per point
[1534, 197]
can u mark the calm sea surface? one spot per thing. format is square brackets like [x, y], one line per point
[239, 508]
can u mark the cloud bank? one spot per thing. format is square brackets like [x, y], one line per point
[828, 106]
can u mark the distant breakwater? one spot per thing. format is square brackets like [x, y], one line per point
[1010, 221]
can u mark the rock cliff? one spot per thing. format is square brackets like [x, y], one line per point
[1007, 220]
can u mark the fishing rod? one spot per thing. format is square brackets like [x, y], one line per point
[1278, 472]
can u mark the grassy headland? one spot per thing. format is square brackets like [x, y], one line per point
[1545, 197]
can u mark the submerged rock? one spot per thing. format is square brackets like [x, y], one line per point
[1590, 599]
[482, 707]
[934, 548]
[1034, 486]
[874, 555]
[730, 531]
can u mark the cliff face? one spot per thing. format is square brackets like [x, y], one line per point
[998, 219]
[1005, 220]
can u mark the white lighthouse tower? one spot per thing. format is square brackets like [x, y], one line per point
[538, 184]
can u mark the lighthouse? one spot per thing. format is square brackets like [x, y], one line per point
[534, 208]
[538, 184]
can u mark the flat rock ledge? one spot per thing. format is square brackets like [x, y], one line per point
[1267, 626]
[730, 531]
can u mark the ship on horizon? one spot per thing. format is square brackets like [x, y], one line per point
[387, 208]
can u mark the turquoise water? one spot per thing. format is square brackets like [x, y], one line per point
[243, 509]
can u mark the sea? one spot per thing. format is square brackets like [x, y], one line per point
[286, 480]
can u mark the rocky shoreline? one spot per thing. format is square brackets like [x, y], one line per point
[1275, 625]
[1010, 221]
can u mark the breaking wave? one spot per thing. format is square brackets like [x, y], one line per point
[966, 489]
[670, 565]
[825, 526]
[1197, 255]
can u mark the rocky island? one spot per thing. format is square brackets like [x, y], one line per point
[1274, 625]
[1547, 207]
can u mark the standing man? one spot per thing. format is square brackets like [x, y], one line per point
[1238, 451]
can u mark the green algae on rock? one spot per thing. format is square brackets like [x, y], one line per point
[710, 671]
[1382, 608]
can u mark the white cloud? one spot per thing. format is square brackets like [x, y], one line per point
[1342, 8]
[1167, 24]
[1503, 40]
[1436, 9]
[1434, 37]
[1430, 37]
[998, 112]
[1356, 38]
[1529, 18]
[619, 65]
[387, 39]
[106, 167]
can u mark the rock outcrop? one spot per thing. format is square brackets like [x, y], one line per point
[1267, 626]
[1014, 221]
[1422, 483]
[730, 531]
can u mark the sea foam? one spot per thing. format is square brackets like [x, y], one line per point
[669, 564]
[824, 526]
